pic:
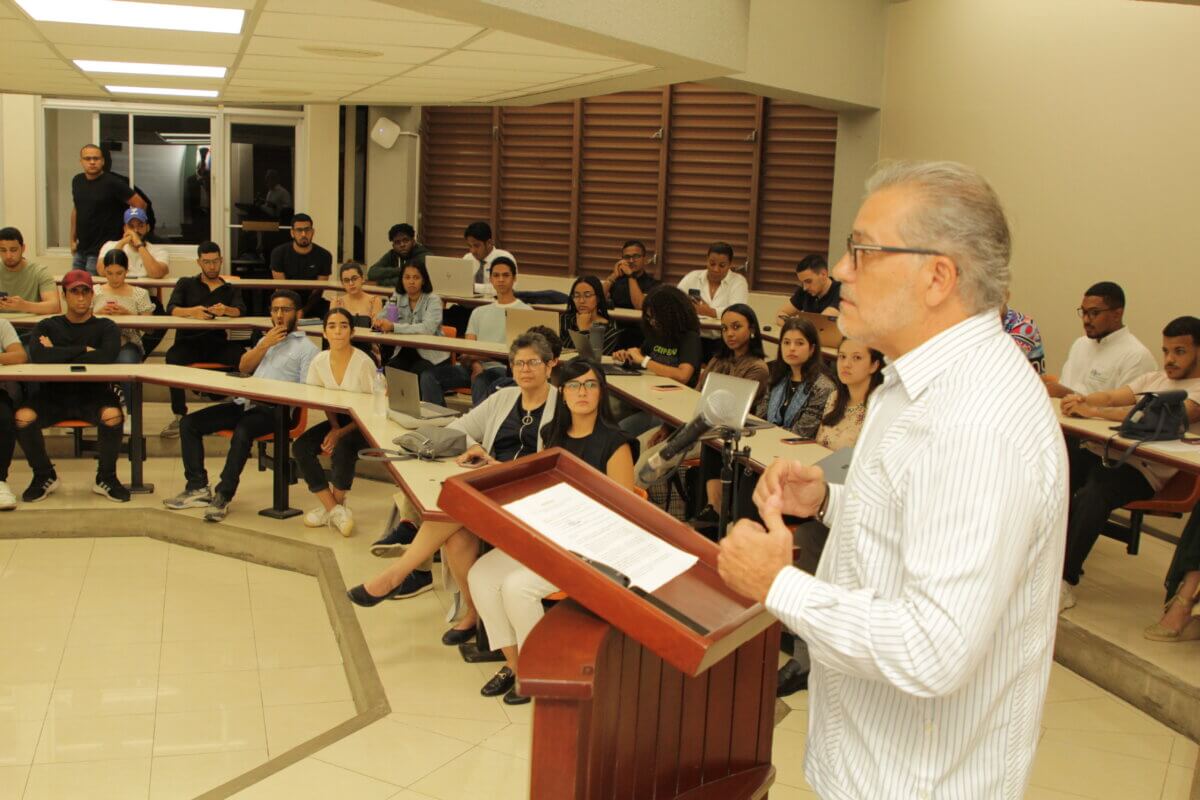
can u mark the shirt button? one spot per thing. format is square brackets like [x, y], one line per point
[923, 795]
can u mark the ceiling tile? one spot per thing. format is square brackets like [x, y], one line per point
[28, 50]
[303, 66]
[347, 85]
[132, 39]
[34, 66]
[18, 30]
[359, 8]
[488, 61]
[436, 70]
[504, 42]
[104, 53]
[390, 54]
[352, 29]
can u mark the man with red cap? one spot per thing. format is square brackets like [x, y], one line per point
[76, 337]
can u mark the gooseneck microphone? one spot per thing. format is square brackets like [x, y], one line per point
[721, 409]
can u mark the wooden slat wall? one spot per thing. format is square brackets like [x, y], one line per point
[619, 176]
[710, 163]
[729, 166]
[456, 175]
[535, 186]
[796, 191]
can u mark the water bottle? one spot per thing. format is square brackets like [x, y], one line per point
[379, 398]
[391, 312]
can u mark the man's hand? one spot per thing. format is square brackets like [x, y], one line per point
[800, 488]
[11, 303]
[1071, 403]
[218, 310]
[633, 355]
[704, 309]
[752, 556]
[45, 341]
[132, 238]
[199, 312]
[273, 337]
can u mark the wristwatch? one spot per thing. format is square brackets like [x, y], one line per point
[645, 362]
[824, 506]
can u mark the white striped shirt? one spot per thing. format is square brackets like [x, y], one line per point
[931, 618]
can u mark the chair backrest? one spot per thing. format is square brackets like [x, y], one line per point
[1179, 496]
[73, 423]
[450, 331]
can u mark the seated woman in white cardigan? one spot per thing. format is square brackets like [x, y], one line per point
[505, 426]
[508, 596]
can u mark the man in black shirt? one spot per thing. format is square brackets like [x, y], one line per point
[405, 250]
[301, 260]
[818, 293]
[627, 286]
[77, 337]
[203, 296]
[100, 199]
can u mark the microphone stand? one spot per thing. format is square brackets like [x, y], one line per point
[730, 441]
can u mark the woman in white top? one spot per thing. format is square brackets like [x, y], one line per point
[118, 298]
[342, 366]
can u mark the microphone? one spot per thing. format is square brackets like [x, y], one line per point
[720, 410]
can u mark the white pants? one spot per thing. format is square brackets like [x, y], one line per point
[508, 597]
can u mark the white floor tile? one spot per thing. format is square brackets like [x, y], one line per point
[298, 685]
[202, 691]
[104, 696]
[91, 780]
[478, 773]
[311, 779]
[185, 777]
[117, 736]
[288, 726]
[393, 753]
[226, 655]
[211, 731]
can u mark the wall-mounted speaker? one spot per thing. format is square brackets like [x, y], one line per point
[385, 133]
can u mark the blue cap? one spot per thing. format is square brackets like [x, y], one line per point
[136, 213]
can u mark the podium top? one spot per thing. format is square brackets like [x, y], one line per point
[692, 621]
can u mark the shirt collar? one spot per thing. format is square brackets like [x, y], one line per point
[1115, 336]
[919, 367]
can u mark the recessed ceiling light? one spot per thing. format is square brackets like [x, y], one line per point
[131, 68]
[136, 15]
[158, 90]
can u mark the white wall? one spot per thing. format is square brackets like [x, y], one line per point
[391, 178]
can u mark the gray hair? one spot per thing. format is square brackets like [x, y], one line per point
[959, 215]
[535, 342]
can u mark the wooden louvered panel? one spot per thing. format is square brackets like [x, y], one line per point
[710, 167]
[795, 191]
[618, 193]
[456, 174]
[535, 186]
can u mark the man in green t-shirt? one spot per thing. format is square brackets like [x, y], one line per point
[26, 286]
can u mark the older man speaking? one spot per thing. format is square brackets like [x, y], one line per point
[931, 617]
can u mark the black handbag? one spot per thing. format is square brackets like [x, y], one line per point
[1157, 417]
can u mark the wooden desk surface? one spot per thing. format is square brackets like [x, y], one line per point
[1174, 454]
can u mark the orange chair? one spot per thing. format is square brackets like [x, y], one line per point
[298, 427]
[1178, 497]
[76, 427]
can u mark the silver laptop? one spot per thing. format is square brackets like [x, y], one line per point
[743, 391]
[404, 396]
[589, 346]
[836, 465]
[828, 332]
[519, 320]
[453, 277]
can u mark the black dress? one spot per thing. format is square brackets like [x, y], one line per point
[598, 446]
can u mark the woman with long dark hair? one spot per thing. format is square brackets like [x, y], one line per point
[799, 384]
[415, 308]
[740, 351]
[587, 311]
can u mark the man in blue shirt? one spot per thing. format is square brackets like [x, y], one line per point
[283, 354]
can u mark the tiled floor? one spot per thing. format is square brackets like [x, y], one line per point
[442, 741]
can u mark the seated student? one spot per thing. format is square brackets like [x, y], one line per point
[203, 296]
[556, 349]
[1183, 589]
[586, 309]
[504, 427]
[482, 252]
[818, 293]
[342, 366]
[146, 260]
[714, 289]
[740, 352]
[405, 250]
[363, 307]
[487, 324]
[282, 354]
[414, 308]
[1024, 331]
[116, 297]
[799, 385]
[859, 373]
[303, 260]
[1097, 490]
[1108, 355]
[76, 337]
[11, 352]
[627, 286]
[671, 346]
[27, 285]
[508, 595]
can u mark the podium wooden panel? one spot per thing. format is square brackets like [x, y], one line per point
[632, 701]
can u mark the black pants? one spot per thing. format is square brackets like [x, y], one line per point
[1187, 554]
[8, 438]
[1101, 491]
[307, 450]
[86, 402]
[246, 424]
[151, 339]
[213, 349]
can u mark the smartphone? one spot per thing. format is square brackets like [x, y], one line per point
[666, 387]
[797, 440]
[239, 374]
[78, 368]
[694, 294]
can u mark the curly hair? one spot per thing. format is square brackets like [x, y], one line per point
[668, 311]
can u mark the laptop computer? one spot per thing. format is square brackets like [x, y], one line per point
[591, 344]
[836, 465]
[742, 390]
[404, 397]
[827, 329]
[519, 320]
[453, 277]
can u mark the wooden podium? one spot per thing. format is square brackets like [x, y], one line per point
[666, 695]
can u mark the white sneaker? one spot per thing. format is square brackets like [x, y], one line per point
[1066, 597]
[8, 500]
[342, 520]
[317, 518]
[172, 429]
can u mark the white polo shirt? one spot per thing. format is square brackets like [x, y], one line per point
[733, 290]
[1101, 365]
[136, 268]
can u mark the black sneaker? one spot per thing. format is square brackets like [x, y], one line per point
[707, 519]
[108, 486]
[40, 487]
[792, 678]
[218, 508]
[418, 582]
[394, 543]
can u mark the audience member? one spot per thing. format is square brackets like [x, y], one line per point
[1108, 355]
[203, 296]
[799, 385]
[363, 307]
[282, 354]
[556, 348]
[405, 250]
[587, 309]
[1024, 331]
[1183, 589]
[627, 286]
[487, 324]
[146, 260]
[509, 596]
[344, 367]
[740, 352]
[116, 297]
[11, 352]
[1097, 488]
[818, 292]
[99, 202]
[302, 260]
[714, 289]
[76, 337]
[482, 252]
[26, 286]
[415, 309]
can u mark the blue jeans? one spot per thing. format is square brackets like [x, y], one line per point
[129, 353]
[84, 261]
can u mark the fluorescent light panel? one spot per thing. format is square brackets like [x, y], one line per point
[126, 14]
[132, 68]
[158, 90]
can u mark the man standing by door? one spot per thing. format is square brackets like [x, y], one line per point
[100, 199]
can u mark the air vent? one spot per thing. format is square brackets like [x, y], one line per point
[285, 92]
[340, 52]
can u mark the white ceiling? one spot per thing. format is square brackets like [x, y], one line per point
[293, 51]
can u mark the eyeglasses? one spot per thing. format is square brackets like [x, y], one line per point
[853, 249]
[1090, 313]
[532, 363]
[584, 296]
[633, 256]
[281, 309]
[305, 229]
[575, 386]
[210, 262]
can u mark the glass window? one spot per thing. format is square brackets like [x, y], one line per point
[67, 130]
